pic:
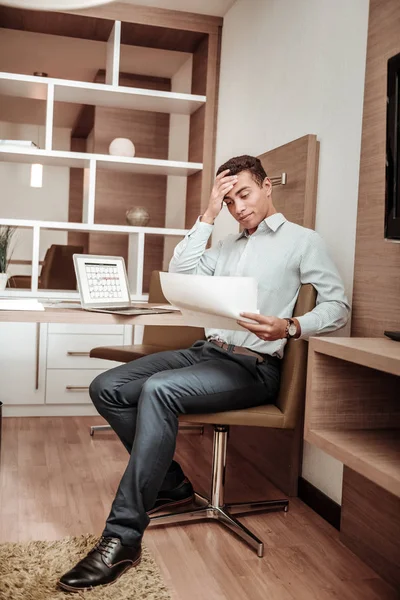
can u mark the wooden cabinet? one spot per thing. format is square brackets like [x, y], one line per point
[353, 414]
[353, 405]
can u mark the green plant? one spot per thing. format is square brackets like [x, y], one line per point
[6, 233]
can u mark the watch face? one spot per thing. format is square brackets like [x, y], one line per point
[292, 329]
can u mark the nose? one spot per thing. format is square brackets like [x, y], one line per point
[240, 207]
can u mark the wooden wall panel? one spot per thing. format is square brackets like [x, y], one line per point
[55, 23]
[370, 525]
[164, 38]
[297, 199]
[148, 131]
[278, 453]
[147, 15]
[203, 125]
[370, 515]
[117, 192]
[376, 299]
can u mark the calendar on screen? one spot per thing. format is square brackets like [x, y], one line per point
[103, 281]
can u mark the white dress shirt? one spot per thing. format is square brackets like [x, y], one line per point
[281, 256]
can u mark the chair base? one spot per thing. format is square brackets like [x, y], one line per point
[94, 428]
[204, 509]
[215, 508]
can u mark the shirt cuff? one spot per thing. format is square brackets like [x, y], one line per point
[310, 325]
[201, 227]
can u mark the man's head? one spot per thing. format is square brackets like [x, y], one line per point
[249, 201]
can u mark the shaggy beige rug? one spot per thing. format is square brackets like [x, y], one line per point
[30, 571]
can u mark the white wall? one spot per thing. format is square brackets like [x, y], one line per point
[20, 201]
[290, 68]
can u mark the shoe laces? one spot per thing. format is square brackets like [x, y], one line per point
[105, 545]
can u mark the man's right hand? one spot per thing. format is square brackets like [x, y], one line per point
[222, 185]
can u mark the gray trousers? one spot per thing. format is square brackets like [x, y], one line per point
[142, 401]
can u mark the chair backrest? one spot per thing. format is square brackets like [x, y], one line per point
[58, 271]
[172, 337]
[294, 367]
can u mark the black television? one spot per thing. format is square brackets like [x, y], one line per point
[392, 200]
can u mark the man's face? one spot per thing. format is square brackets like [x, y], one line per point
[249, 203]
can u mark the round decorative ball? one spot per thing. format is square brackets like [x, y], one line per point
[137, 216]
[122, 147]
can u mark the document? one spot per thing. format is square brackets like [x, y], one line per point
[20, 304]
[211, 301]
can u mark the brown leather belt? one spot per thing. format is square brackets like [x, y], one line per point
[239, 350]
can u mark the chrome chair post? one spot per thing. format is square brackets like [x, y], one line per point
[219, 464]
[215, 509]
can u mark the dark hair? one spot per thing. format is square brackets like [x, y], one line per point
[245, 163]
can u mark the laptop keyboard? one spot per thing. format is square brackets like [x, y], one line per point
[119, 308]
[122, 308]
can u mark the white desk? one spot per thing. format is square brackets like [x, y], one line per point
[79, 316]
[36, 352]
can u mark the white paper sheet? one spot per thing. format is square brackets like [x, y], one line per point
[20, 304]
[212, 302]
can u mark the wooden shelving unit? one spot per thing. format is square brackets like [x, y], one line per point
[99, 94]
[82, 160]
[155, 98]
[353, 405]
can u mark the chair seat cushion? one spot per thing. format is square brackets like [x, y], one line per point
[267, 415]
[125, 353]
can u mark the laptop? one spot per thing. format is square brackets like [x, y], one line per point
[103, 286]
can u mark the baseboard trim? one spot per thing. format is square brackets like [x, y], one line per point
[327, 508]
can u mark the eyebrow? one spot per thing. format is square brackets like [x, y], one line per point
[246, 187]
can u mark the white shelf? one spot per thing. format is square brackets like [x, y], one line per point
[68, 226]
[99, 94]
[81, 160]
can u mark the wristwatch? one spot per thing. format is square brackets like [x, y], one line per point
[291, 329]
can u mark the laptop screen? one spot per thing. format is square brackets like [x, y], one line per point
[101, 280]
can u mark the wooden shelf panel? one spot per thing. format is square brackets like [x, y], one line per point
[376, 353]
[82, 160]
[99, 94]
[374, 453]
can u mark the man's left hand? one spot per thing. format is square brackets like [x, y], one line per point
[266, 328]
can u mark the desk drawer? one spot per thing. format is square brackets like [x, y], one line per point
[72, 351]
[64, 386]
[86, 328]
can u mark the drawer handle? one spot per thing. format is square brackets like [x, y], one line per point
[78, 353]
[77, 388]
[37, 356]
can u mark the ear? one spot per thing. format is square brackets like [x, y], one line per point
[267, 186]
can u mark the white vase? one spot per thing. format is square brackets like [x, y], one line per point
[122, 147]
[3, 281]
[137, 216]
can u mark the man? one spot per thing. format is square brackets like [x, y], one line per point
[231, 370]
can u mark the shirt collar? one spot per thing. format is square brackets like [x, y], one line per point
[272, 223]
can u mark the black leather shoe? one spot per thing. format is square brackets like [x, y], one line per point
[107, 561]
[182, 494]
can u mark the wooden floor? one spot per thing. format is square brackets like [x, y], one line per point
[56, 480]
